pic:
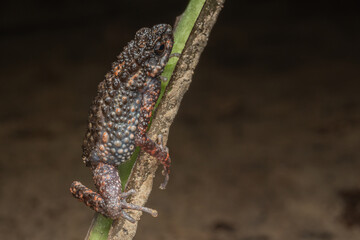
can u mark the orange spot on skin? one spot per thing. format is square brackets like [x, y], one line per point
[101, 147]
[105, 137]
[154, 73]
[118, 111]
[118, 68]
[132, 78]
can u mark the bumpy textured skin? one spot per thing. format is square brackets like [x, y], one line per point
[119, 118]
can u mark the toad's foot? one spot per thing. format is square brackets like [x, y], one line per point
[109, 201]
[166, 162]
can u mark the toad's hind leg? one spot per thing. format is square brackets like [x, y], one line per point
[110, 201]
[89, 197]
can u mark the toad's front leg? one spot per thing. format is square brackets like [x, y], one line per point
[110, 201]
[155, 149]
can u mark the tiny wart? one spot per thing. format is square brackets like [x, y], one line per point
[118, 120]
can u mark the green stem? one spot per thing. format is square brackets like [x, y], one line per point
[101, 224]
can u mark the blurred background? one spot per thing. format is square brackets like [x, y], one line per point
[265, 145]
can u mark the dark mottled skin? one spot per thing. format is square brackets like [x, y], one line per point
[119, 118]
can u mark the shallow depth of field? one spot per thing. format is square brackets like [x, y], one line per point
[266, 145]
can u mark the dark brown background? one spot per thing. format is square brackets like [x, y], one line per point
[265, 146]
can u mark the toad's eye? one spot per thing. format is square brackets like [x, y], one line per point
[159, 48]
